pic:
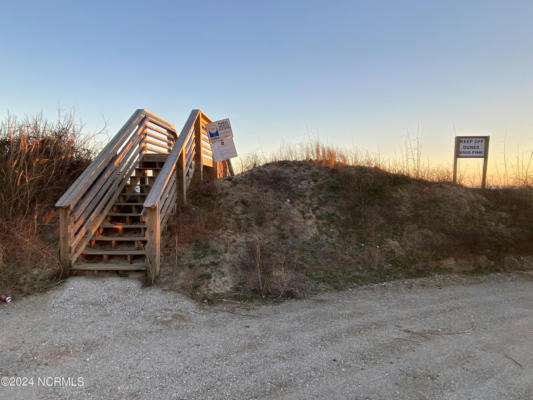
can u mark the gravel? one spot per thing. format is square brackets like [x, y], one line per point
[448, 337]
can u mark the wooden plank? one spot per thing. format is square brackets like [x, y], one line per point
[117, 252]
[108, 267]
[156, 119]
[154, 157]
[206, 147]
[121, 225]
[190, 159]
[183, 180]
[208, 162]
[159, 144]
[167, 198]
[148, 147]
[173, 205]
[190, 153]
[111, 184]
[189, 142]
[64, 239]
[94, 222]
[79, 187]
[96, 192]
[161, 138]
[119, 238]
[76, 191]
[230, 168]
[119, 214]
[198, 145]
[485, 163]
[161, 131]
[153, 198]
[205, 118]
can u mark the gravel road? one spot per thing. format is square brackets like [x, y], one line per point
[451, 337]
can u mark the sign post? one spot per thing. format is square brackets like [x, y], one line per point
[471, 147]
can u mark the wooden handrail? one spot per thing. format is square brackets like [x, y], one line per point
[85, 204]
[152, 200]
[189, 153]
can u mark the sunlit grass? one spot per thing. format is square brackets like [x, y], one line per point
[515, 170]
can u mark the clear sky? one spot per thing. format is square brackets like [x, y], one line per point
[353, 73]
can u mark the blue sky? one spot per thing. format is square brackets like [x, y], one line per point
[353, 73]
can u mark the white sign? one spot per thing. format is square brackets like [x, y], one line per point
[471, 147]
[221, 140]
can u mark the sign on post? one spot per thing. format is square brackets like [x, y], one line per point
[221, 140]
[471, 147]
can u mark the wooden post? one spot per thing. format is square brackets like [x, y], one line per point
[179, 178]
[485, 163]
[198, 145]
[455, 153]
[485, 156]
[64, 245]
[153, 247]
[230, 167]
[183, 177]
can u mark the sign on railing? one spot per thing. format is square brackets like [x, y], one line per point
[221, 140]
[471, 147]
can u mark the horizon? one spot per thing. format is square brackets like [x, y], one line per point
[349, 74]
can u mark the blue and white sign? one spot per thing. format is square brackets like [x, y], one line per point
[221, 140]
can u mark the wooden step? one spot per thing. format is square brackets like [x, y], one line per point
[109, 267]
[119, 214]
[154, 157]
[150, 168]
[118, 252]
[116, 225]
[137, 184]
[119, 238]
[133, 194]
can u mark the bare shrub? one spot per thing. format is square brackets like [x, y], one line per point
[270, 272]
[201, 216]
[39, 160]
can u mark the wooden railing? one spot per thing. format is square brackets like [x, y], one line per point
[86, 203]
[191, 152]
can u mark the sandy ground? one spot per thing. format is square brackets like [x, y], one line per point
[447, 337]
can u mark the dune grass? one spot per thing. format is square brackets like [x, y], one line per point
[515, 170]
[39, 160]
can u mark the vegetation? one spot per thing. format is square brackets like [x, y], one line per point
[39, 160]
[288, 228]
[307, 219]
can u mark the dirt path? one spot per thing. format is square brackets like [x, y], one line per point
[440, 338]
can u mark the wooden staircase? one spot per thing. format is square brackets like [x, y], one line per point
[112, 217]
[118, 244]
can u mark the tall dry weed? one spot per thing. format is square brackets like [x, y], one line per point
[517, 170]
[39, 160]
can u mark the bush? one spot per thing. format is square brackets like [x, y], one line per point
[39, 160]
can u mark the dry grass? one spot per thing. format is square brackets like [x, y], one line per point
[39, 160]
[515, 170]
